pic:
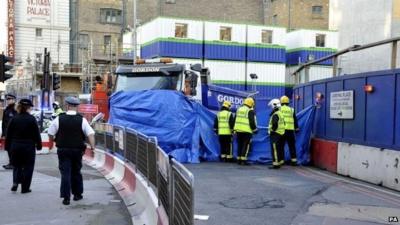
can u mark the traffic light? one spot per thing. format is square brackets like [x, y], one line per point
[56, 81]
[4, 68]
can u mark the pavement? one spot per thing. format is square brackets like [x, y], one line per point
[254, 195]
[101, 204]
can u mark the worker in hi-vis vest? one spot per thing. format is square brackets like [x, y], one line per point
[276, 130]
[223, 126]
[291, 126]
[245, 126]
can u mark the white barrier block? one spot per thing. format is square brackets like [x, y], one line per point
[370, 164]
[392, 169]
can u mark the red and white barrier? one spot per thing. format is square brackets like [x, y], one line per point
[140, 199]
[47, 145]
[374, 165]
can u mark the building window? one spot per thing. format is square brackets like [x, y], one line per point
[275, 19]
[320, 40]
[317, 10]
[111, 16]
[107, 43]
[181, 30]
[266, 36]
[83, 41]
[38, 32]
[225, 33]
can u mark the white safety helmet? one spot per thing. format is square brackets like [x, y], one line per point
[274, 103]
[56, 103]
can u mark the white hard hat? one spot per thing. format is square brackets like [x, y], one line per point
[274, 103]
[56, 103]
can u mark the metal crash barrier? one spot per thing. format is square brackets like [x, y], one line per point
[169, 179]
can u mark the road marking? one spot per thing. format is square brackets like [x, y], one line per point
[201, 217]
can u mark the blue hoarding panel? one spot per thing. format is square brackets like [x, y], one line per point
[301, 99]
[380, 110]
[376, 120]
[334, 127]
[320, 114]
[353, 130]
[277, 55]
[225, 52]
[397, 128]
[308, 96]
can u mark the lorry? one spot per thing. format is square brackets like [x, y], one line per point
[164, 74]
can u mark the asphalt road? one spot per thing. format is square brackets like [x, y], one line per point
[101, 204]
[254, 195]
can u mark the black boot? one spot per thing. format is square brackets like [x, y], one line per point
[77, 197]
[274, 167]
[66, 201]
[14, 187]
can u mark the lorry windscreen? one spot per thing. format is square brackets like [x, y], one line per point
[149, 81]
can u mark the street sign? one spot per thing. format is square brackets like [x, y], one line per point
[88, 108]
[342, 105]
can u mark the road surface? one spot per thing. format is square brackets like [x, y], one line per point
[254, 195]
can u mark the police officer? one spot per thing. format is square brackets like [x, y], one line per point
[223, 126]
[276, 130]
[291, 126]
[245, 126]
[23, 136]
[69, 131]
[57, 109]
[8, 114]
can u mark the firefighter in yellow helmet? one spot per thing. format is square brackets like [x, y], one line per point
[245, 126]
[276, 130]
[223, 126]
[291, 126]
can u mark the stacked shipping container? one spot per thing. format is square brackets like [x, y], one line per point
[307, 45]
[247, 49]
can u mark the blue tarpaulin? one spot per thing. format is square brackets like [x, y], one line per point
[184, 128]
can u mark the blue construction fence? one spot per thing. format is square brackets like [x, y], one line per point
[376, 120]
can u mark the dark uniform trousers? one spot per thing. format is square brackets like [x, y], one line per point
[23, 160]
[277, 151]
[70, 164]
[290, 138]
[226, 146]
[244, 141]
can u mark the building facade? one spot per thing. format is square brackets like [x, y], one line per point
[38, 25]
[297, 14]
[374, 21]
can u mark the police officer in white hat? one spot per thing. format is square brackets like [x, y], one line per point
[69, 131]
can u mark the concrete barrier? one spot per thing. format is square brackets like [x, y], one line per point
[140, 199]
[377, 166]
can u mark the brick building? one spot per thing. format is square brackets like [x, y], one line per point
[296, 14]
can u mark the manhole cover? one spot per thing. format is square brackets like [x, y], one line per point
[252, 202]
